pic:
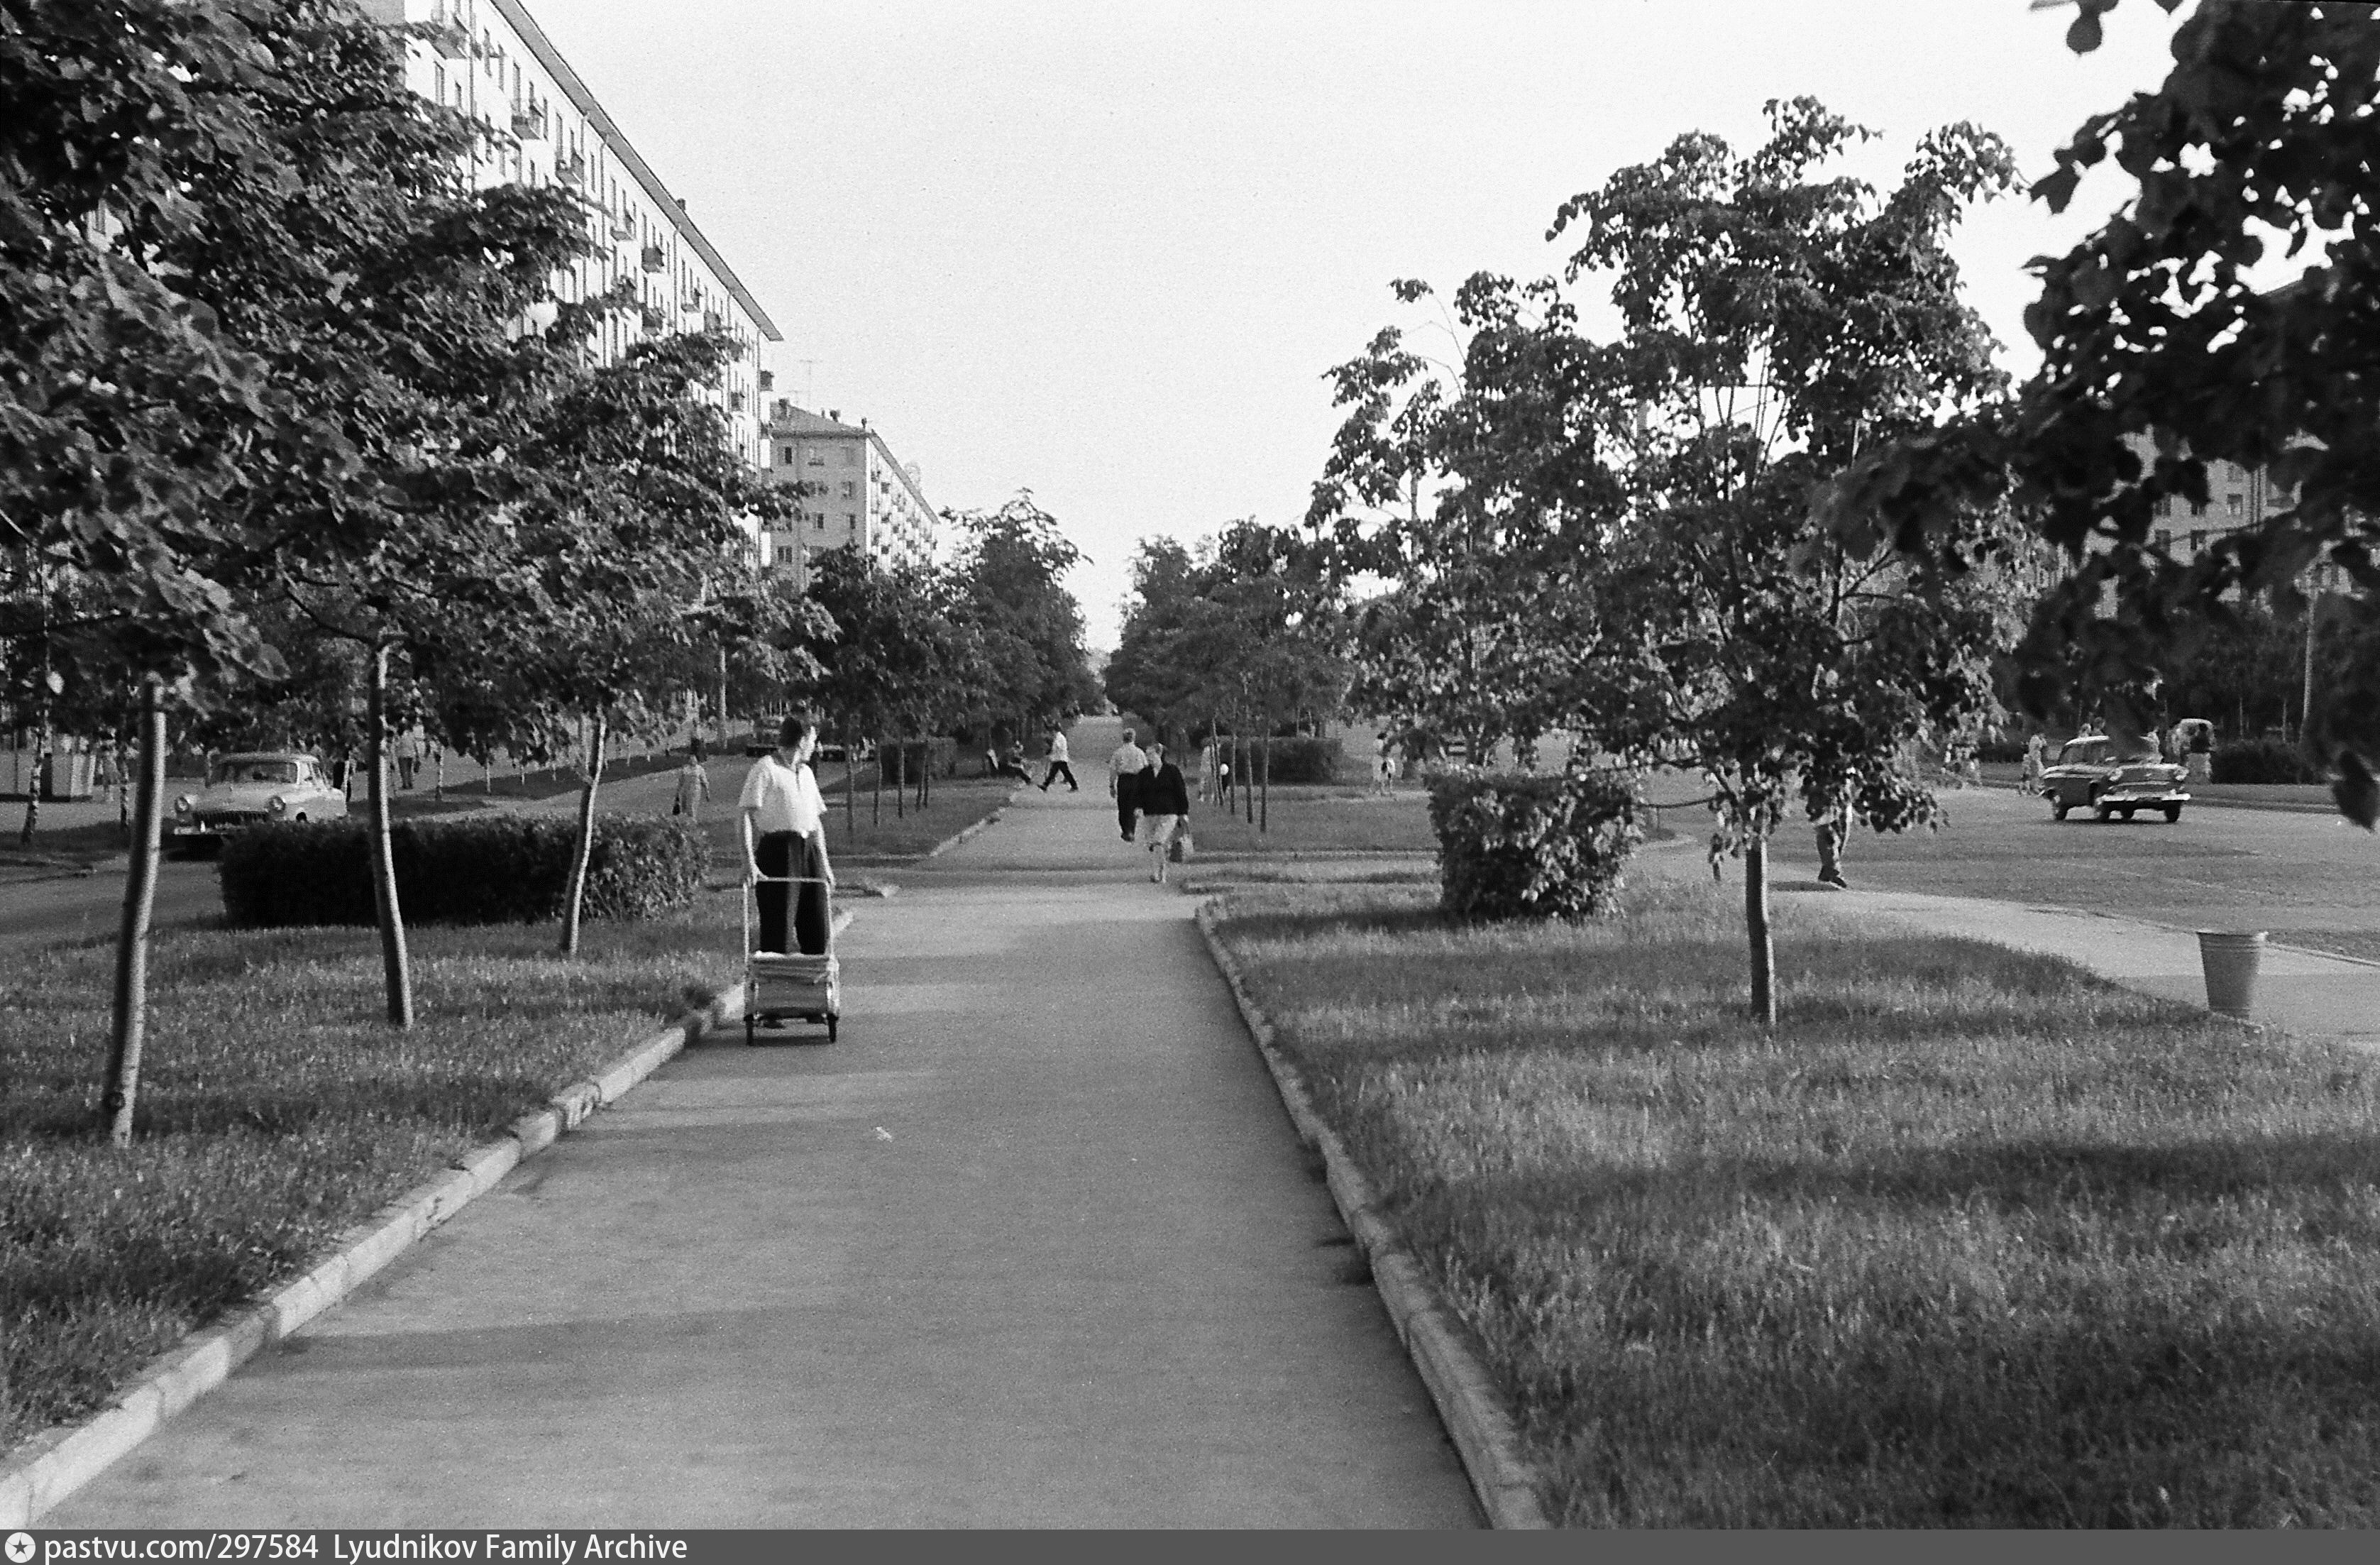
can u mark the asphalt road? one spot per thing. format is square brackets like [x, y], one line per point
[35, 911]
[2216, 866]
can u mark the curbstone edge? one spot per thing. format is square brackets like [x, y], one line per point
[1445, 1351]
[54, 1464]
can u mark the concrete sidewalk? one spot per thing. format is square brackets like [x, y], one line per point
[1033, 1245]
[2302, 992]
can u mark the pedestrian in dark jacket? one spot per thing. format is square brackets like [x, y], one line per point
[1164, 800]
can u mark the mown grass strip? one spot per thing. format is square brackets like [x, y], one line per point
[277, 1110]
[1972, 1240]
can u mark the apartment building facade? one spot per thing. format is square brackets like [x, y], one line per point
[542, 127]
[857, 496]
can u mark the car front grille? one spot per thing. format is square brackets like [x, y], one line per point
[231, 819]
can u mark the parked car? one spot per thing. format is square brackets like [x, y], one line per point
[2112, 777]
[244, 789]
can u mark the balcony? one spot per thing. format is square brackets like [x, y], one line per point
[654, 259]
[653, 320]
[713, 321]
[530, 124]
[445, 34]
[570, 167]
[624, 225]
[735, 402]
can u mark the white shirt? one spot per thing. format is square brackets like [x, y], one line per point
[1058, 747]
[1127, 757]
[785, 797]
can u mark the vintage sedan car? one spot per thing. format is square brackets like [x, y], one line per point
[244, 789]
[2112, 777]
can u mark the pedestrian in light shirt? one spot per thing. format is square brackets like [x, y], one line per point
[784, 828]
[1058, 765]
[1123, 780]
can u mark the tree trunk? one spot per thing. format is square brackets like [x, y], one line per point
[33, 789]
[393, 960]
[900, 779]
[1264, 814]
[876, 788]
[850, 793]
[582, 850]
[438, 759]
[1755, 929]
[1248, 783]
[131, 1021]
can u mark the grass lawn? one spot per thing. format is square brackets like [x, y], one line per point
[1972, 1240]
[1315, 818]
[276, 1110]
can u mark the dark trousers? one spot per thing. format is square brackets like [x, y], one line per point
[788, 853]
[1058, 768]
[1126, 790]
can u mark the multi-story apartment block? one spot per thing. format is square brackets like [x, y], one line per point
[857, 496]
[541, 127]
[2237, 497]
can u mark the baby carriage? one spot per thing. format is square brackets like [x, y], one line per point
[776, 984]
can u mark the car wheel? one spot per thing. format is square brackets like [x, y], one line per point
[2172, 814]
[2056, 808]
[2125, 813]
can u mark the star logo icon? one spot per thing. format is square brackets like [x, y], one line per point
[20, 1548]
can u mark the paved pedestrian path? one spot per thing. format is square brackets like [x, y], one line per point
[2304, 992]
[1033, 1245]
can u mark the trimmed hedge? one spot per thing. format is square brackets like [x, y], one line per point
[2263, 760]
[493, 868]
[914, 755]
[1298, 758]
[1516, 845]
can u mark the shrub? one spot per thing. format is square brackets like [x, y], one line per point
[1298, 758]
[480, 870]
[1514, 846]
[2263, 760]
[906, 760]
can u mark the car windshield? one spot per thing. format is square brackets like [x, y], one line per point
[2084, 752]
[247, 768]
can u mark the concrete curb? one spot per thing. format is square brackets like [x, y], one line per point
[1443, 1350]
[53, 1465]
[970, 832]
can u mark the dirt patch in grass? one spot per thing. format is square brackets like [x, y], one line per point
[276, 1110]
[1972, 1240]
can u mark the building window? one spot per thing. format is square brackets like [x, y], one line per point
[850, 456]
[785, 553]
[2197, 539]
[849, 489]
[2198, 507]
[818, 457]
[785, 456]
[2234, 503]
[817, 521]
[2165, 539]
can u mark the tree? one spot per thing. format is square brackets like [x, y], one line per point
[1773, 319]
[128, 416]
[1244, 633]
[1471, 489]
[1029, 628]
[2152, 330]
[899, 665]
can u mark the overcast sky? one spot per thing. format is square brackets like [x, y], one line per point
[1108, 251]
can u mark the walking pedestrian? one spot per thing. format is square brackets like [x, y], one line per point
[783, 829]
[408, 756]
[1164, 799]
[1383, 763]
[2036, 760]
[1058, 763]
[1209, 757]
[1123, 780]
[1834, 828]
[693, 786]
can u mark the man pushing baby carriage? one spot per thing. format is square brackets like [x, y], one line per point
[790, 966]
